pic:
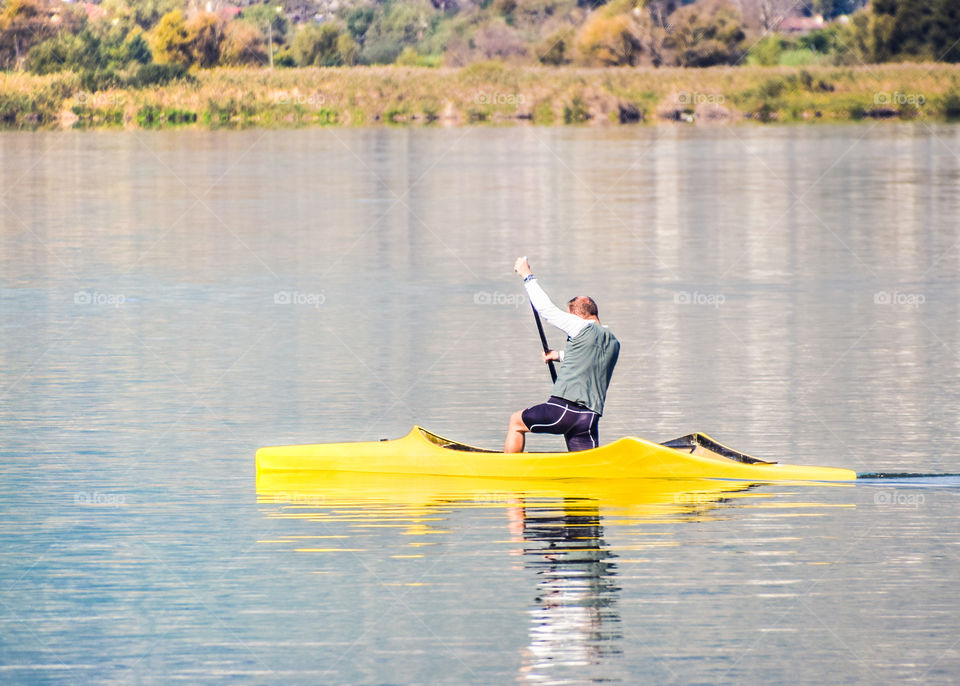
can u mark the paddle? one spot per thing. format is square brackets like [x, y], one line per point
[543, 342]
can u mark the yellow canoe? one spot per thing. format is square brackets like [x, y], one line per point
[696, 456]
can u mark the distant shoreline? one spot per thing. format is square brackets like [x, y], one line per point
[488, 93]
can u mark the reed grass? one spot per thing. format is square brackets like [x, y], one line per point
[489, 93]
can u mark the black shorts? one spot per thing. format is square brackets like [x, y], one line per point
[573, 421]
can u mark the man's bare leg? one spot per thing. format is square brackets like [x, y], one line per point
[515, 434]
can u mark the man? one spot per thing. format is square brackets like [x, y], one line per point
[587, 363]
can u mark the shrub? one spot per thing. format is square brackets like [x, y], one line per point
[173, 115]
[766, 52]
[395, 25]
[800, 58]
[772, 88]
[146, 13]
[410, 57]
[495, 39]
[93, 80]
[12, 107]
[951, 105]
[556, 48]
[222, 114]
[23, 24]
[347, 49]
[266, 18]
[284, 58]
[90, 50]
[170, 42]
[358, 21]
[706, 34]
[157, 75]
[65, 51]
[944, 33]
[608, 40]
[243, 44]
[576, 112]
[821, 41]
[326, 45]
[148, 116]
[205, 39]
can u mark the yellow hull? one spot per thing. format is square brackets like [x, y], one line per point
[421, 452]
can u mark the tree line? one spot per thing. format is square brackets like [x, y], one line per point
[143, 42]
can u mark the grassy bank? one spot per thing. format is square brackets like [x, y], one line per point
[488, 93]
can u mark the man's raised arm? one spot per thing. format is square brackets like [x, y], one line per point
[569, 323]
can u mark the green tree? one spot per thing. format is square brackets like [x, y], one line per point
[146, 13]
[358, 21]
[766, 52]
[154, 74]
[831, 9]
[267, 18]
[347, 48]
[911, 27]
[104, 55]
[945, 31]
[205, 37]
[556, 48]
[243, 43]
[170, 42]
[496, 39]
[906, 29]
[66, 51]
[823, 41]
[608, 39]
[705, 34]
[121, 43]
[23, 24]
[395, 25]
[326, 45]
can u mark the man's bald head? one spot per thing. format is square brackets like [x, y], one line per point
[582, 306]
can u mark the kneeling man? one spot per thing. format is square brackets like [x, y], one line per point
[587, 363]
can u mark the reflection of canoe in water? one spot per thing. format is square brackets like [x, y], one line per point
[421, 452]
[305, 491]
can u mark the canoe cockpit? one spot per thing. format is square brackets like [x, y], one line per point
[704, 446]
[450, 445]
[692, 444]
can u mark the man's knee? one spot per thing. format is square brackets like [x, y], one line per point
[516, 422]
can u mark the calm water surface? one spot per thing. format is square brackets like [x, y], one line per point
[172, 301]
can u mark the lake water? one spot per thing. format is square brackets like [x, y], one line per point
[170, 301]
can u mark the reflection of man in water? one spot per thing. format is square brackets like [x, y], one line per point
[574, 618]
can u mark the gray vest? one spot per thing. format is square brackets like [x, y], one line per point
[588, 362]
